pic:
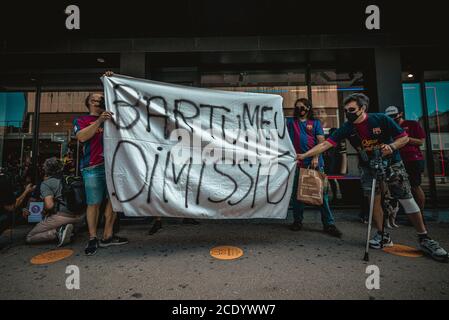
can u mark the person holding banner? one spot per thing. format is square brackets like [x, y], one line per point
[89, 131]
[306, 132]
[369, 134]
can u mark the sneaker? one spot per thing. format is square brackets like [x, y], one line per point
[376, 241]
[333, 231]
[91, 247]
[63, 234]
[296, 226]
[156, 226]
[190, 221]
[113, 241]
[433, 249]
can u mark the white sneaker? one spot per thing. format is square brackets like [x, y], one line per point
[376, 241]
[432, 248]
[64, 234]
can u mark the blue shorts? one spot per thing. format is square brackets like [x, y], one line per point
[95, 184]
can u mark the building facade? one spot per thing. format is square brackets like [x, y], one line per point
[395, 53]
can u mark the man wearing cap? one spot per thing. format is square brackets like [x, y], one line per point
[411, 153]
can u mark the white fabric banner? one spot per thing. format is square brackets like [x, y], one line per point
[179, 151]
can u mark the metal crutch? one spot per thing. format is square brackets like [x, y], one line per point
[370, 218]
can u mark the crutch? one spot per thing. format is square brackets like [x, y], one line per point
[370, 218]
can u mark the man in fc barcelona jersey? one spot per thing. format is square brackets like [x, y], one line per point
[368, 132]
[89, 131]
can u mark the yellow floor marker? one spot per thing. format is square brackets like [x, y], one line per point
[404, 251]
[51, 256]
[226, 253]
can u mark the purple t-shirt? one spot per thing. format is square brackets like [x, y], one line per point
[411, 152]
[93, 148]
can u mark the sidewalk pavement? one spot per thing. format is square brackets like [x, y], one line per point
[277, 264]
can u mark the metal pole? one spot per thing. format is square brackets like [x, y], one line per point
[36, 120]
[429, 150]
[370, 218]
[309, 78]
[21, 155]
[77, 157]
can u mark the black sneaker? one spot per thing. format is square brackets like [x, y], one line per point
[190, 221]
[64, 234]
[156, 226]
[333, 231]
[91, 247]
[295, 226]
[113, 241]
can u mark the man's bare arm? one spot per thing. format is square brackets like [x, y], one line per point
[400, 142]
[88, 132]
[318, 149]
[49, 203]
[416, 142]
[28, 189]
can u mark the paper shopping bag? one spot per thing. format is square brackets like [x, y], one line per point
[310, 186]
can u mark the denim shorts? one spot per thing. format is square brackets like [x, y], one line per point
[95, 184]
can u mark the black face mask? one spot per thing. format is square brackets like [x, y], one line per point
[352, 116]
[396, 118]
[303, 111]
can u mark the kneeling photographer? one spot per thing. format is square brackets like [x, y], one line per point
[372, 134]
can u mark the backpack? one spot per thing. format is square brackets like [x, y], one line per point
[73, 193]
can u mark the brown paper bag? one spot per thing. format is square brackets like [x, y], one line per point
[310, 186]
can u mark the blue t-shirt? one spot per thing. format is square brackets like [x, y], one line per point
[304, 137]
[375, 130]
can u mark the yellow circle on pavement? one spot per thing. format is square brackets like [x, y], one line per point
[226, 253]
[404, 251]
[51, 256]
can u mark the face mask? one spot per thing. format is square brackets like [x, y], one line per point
[352, 116]
[303, 111]
[396, 118]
